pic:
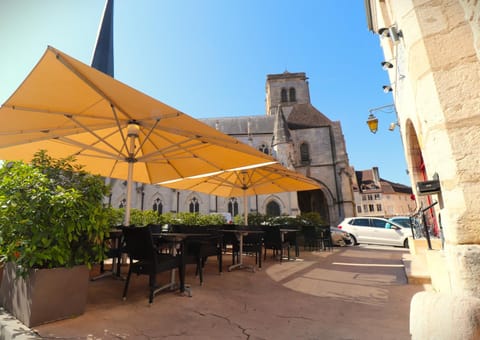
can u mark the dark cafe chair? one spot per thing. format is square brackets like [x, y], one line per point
[146, 260]
[113, 243]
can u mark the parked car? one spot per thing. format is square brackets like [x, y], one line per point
[340, 238]
[376, 230]
[402, 220]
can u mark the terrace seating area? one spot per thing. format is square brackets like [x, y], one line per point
[156, 248]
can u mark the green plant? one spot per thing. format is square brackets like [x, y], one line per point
[51, 214]
[313, 218]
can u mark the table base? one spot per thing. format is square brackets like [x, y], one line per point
[241, 266]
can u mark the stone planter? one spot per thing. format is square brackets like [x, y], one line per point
[45, 295]
[420, 245]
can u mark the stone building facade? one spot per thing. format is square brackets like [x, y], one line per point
[434, 50]
[375, 196]
[298, 135]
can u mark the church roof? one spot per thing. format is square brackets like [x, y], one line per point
[239, 125]
[305, 116]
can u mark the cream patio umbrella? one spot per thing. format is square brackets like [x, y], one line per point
[254, 180]
[71, 109]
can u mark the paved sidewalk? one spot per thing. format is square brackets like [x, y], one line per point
[350, 293]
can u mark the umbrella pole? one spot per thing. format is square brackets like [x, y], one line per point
[132, 129]
[129, 193]
[245, 208]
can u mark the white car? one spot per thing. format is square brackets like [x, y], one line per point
[376, 230]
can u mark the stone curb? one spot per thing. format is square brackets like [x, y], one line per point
[12, 329]
[416, 269]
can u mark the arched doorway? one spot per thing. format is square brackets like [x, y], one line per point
[419, 172]
[314, 201]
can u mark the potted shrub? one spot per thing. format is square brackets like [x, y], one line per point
[52, 223]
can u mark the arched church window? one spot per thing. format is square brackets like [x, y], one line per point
[123, 203]
[283, 96]
[233, 206]
[273, 209]
[304, 153]
[292, 94]
[158, 206]
[194, 206]
[264, 148]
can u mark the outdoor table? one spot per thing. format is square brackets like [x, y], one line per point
[240, 233]
[175, 238]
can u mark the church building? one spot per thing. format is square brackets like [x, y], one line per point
[294, 132]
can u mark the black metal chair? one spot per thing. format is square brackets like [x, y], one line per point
[272, 239]
[115, 247]
[326, 238]
[197, 249]
[292, 239]
[146, 260]
[311, 240]
[230, 240]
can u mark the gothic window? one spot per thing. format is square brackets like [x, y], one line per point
[273, 209]
[292, 94]
[264, 148]
[194, 206]
[284, 98]
[158, 206]
[304, 153]
[233, 206]
[123, 203]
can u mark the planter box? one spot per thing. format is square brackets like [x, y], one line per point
[420, 245]
[46, 295]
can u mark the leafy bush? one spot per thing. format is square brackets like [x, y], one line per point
[313, 218]
[51, 214]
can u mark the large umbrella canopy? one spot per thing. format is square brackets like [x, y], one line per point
[256, 180]
[69, 108]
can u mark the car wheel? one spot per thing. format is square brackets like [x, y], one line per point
[405, 243]
[354, 240]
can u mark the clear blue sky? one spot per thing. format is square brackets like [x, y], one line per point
[210, 58]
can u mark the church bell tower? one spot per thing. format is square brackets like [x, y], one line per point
[286, 89]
